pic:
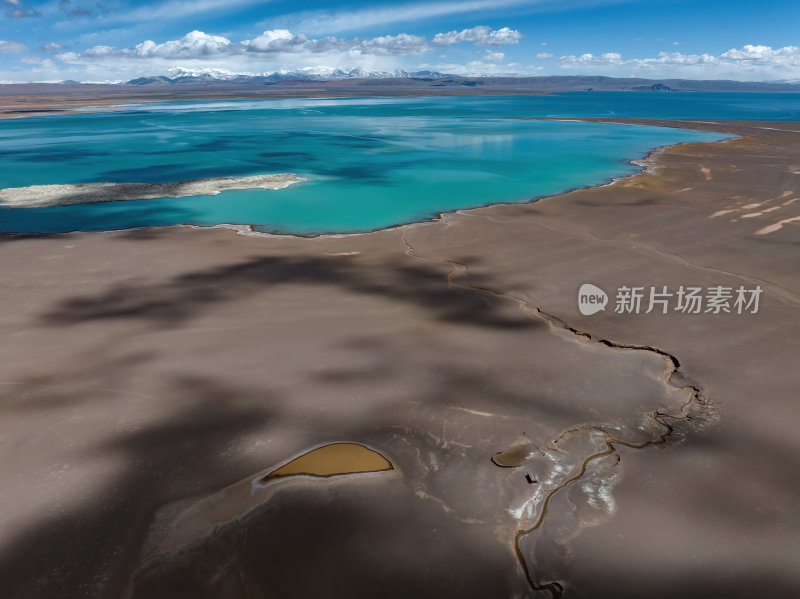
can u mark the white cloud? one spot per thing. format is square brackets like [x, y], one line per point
[276, 40]
[763, 55]
[609, 58]
[401, 45]
[274, 50]
[52, 47]
[7, 47]
[544, 55]
[98, 52]
[283, 40]
[198, 45]
[480, 36]
[194, 44]
[492, 56]
[751, 62]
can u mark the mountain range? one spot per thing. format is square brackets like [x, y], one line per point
[321, 75]
[184, 75]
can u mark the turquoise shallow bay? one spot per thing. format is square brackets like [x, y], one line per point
[370, 163]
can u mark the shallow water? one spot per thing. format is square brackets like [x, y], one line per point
[331, 460]
[370, 162]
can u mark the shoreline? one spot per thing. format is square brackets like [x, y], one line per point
[67, 100]
[647, 163]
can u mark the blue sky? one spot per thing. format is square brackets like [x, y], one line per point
[102, 40]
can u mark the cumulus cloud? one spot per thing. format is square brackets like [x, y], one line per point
[609, 58]
[194, 44]
[480, 36]
[401, 45]
[7, 47]
[16, 9]
[52, 47]
[493, 56]
[789, 55]
[198, 45]
[751, 62]
[283, 40]
[277, 40]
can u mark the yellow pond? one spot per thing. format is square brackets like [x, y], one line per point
[331, 460]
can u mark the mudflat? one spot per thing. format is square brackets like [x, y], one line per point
[651, 454]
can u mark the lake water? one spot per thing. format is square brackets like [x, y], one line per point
[370, 162]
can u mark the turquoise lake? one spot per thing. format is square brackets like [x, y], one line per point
[371, 163]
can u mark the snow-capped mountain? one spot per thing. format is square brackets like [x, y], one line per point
[205, 74]
[329, 74]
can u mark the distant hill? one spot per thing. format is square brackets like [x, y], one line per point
[219, 84]
[181, 76]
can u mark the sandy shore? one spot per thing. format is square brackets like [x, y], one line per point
[645, 455]
[38, 196]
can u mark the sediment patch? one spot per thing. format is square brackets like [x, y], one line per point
[40, 196]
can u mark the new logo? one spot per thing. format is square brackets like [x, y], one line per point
[591, 299]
